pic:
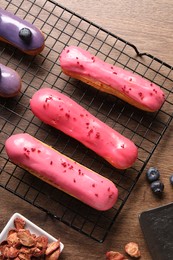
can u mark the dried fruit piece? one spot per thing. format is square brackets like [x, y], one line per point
[52, 247]
[20, 244]
[10, 252]
[41, 242]
[19, 223]
[112, 255]
[26, 238]
[54, 255]
[35, 251]
[23, 256]
[132, 249]
[12, 238]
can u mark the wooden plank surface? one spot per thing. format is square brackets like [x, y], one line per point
[148, 25]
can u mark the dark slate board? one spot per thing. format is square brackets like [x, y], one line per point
[157, 227]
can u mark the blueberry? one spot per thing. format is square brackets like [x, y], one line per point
[25, 34]
[157, 187]
[171, 179]
[153, 174]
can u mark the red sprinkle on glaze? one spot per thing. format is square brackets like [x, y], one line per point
[48, 99]
[51, 162]
[124, 88]
[64, 164]
[67, 115]
[74, 180]
[97, 135]
[39, 151]
[93, 59]
[96, 194]
[33, 149]
[141, 95]
[112, 68]
[151, 84]
[68, 51]
[90, 132]
[71, 167]
[26, 154]
[115, 72]
[93, 185]
[130, 79]
[81, 115]
[109, 189]
[80, 173]
[77, 58]
[25, 149]
[122, 146]
[110, 196]
[74, 118]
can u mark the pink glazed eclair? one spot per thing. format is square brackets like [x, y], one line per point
[61, 112]
[130, 87]
[61, 172]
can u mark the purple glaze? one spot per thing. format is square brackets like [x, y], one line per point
[10, 25]
[10, 82]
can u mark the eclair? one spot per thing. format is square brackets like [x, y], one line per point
[20, 33]
[61, 172]
[10, 82]
[64, 114]
[128, 86]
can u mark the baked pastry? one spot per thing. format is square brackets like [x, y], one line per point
[128, 86]
[10, 82]
[20, 33]
[61, 112]
[62, 172]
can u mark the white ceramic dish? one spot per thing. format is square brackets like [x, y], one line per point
[29, 225]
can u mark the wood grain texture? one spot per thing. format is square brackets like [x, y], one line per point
[148, 25]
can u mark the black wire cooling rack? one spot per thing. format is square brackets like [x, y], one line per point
[63, 27]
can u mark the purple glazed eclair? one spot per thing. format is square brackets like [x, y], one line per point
[10, 82]
[20, 33]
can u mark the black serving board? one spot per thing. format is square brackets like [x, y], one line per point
[157, 227]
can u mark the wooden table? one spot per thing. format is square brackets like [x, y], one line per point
[147, 24]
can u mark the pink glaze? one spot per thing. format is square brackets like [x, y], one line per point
[61, 112]
[143, 93]
[62, 172]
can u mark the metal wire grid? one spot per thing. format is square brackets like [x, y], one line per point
[62, 27]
